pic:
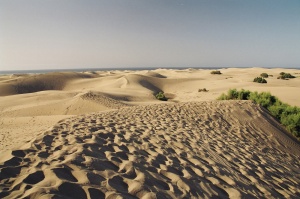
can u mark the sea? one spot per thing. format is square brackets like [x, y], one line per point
[42, 71]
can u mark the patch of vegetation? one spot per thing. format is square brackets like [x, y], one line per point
[233, 94]
[284, 75]
[264, 75]
[202, 90]
[288, 115]
[216, 72]
[260, 80]
[161, 96]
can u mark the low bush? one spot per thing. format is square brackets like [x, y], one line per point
[264, 75]
[234, 94]
[161, 96]
[284, 75]
[289, 116]
[202, 90]
[216, 72]
[260, 80]
[288, 75]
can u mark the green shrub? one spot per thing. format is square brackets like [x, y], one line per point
[277, 109]
[216, 72]
[223, 97]
[264, 75]
[284, 75]
[260, 80]
[265, 99]
[233, 94]
[288, 75]
[291, 122]
[244, 94]
[289, 116]
[161, 96]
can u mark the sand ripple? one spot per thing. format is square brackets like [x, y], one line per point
[185, 150]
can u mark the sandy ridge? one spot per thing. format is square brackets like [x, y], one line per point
[194, 150]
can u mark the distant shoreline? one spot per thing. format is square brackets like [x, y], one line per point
[41, 71]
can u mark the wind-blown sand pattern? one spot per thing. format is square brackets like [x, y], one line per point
[214, 149]
[128, 144]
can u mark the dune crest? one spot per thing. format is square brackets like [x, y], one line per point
[103, 99]
[184, 150]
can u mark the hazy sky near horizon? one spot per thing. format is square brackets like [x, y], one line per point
[51, 34]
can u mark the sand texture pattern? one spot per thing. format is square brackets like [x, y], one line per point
[32, 103]
[214, 149]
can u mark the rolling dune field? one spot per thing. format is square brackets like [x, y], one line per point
[105, 135]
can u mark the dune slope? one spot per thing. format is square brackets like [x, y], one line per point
[185, 150]
[39, 82]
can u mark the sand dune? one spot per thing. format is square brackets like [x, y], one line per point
[58, 94]
[131, 145]
[41, 82]
[141, 85]
[185, 150]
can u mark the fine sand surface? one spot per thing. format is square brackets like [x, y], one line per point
[185, 150]
[103, 134]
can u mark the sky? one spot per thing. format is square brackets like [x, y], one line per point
[56, 34]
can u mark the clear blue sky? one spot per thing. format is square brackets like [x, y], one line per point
[50, 34]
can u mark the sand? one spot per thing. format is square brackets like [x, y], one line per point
[104, 135]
